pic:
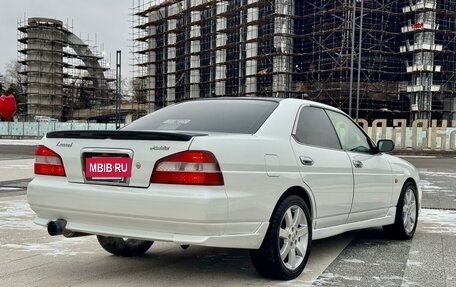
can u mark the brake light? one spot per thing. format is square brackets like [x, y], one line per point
[189, 167]
[47, 162]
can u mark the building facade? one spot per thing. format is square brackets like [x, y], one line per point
[371, 58]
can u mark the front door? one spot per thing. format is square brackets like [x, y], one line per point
[373, 180]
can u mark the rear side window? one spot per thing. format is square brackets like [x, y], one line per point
[226, 116]
[314, 128]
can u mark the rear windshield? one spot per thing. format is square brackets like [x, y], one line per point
[226, 116]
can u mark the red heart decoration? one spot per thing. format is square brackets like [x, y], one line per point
[7, 106]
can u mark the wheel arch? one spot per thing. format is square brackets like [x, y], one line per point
[301, 192]
[412, 181]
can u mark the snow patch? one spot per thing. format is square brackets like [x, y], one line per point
[3, 188]
[55, 248]
[427, 186]
[19, 142]
[328, 276]
[378, 278]
[356, 261]
[408, 283]
[17, 166]
[445, 174]
[438, 221]
[16, 214]
[413, 263]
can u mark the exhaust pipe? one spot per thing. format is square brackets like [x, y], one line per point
[57, 227]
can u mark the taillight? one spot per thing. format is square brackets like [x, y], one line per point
[47, 162]
[189, 167]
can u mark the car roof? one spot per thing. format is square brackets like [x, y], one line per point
[295, 101]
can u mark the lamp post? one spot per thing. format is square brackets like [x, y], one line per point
[352, 59]
[118, 86]
[359, 57]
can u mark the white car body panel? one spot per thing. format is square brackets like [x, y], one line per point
[143, 153]
[402, 171]
[257, 170]
[330, 180]
[374, 184]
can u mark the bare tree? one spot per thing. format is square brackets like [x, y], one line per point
[12, 85]
[12, 69]
[2, 84]
[137, 87]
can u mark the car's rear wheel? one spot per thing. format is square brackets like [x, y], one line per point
[285, 249]
[406, 214]
[124, 247]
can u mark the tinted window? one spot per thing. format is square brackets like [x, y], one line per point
[350, 135]
[314, 128]
[228, 116]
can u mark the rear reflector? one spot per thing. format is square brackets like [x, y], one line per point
[189, 167]
[47, 162]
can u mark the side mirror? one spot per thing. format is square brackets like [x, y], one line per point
[385, 145]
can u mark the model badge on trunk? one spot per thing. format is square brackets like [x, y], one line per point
[63, 144]
[158, 147]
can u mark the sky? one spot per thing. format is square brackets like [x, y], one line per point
[106, 20]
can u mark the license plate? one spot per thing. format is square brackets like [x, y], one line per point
[108, 167]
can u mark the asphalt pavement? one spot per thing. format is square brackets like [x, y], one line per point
[30, 257]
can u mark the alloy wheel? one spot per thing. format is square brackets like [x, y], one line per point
[293, 237]
[409, 210]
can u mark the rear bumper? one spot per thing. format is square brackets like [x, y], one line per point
[193, 215]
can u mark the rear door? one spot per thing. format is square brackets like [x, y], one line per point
[372, 172]
[323, 166]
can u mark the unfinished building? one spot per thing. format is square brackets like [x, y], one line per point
[371, 58]
[63, 77]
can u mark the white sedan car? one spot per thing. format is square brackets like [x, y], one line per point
[265, 174]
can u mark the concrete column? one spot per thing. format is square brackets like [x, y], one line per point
[150, 82]
[251, 51]
[195, 49]
[171, 63]
[283, 44]
[220, 54]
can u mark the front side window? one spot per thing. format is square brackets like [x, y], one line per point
[350, 135]
[314, 128]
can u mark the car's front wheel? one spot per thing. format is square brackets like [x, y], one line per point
[285, 249]
[406, 214]
[124, 247]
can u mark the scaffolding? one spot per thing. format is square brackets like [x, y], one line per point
[336, 51]
[197, 49]
[61, 73]
[430, 57]
[380, 58]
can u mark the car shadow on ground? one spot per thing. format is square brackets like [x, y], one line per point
[166, 262]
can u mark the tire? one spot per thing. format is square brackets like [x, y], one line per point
[406, 219]
[290, 231]
[124, 247]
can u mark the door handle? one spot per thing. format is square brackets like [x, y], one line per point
[306, 160]
[357, 164]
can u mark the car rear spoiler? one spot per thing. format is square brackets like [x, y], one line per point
[124, 135]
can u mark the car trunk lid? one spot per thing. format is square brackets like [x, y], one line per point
[141, 149]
